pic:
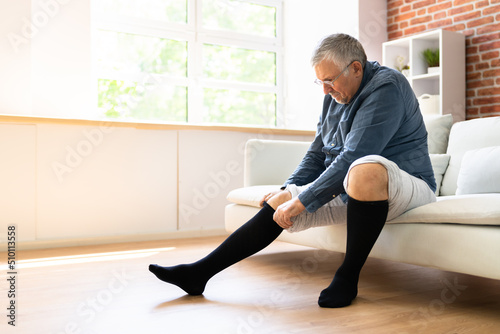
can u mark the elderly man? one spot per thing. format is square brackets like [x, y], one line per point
[368, 163]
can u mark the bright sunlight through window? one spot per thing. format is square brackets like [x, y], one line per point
[88, 258]
[196, 61]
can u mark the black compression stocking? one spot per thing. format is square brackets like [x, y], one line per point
[365, 221]
[250, 238]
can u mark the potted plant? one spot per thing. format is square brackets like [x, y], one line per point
[401, 67]
[431, 57]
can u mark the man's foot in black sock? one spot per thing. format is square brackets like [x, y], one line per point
[365, 221]
[340, 293]
[184, 276]
[253, 236]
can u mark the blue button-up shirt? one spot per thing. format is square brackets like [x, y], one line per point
[382, 118]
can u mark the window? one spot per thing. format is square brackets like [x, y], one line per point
[198, 61]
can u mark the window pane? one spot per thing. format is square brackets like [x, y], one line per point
[240, 17]
[163, 10]
[239, 107]
[131, 100]
[235, 64]
[131, 53]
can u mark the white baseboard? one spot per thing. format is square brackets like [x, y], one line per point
[42, 244]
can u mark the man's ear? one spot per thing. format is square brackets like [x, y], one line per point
[358, 69]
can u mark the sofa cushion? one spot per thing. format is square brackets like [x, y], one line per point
[438, 129]
[480, 171]
[476, 209]
[250, 196]
[439, 164]
[466, 136]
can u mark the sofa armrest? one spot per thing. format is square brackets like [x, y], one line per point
[271, 161]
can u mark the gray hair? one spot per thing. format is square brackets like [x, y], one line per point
[341, 49]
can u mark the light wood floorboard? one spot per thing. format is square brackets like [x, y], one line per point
[107, 289]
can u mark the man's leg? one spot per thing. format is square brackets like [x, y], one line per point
[253, 236]
[367, 209]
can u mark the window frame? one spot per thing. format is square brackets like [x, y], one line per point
[196, 36]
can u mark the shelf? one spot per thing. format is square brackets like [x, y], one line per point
[426, 76]
[448, 82]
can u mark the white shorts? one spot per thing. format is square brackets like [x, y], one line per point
[406, 192]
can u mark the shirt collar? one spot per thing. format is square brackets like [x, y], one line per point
[368, 71]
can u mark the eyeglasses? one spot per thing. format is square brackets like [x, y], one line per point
[330, 83]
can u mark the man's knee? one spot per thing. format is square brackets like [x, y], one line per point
[279, 198]
[368, 182]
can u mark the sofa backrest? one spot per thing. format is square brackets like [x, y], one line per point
[466, 136]
[271, 162]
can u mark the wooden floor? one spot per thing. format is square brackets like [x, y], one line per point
[108, 289]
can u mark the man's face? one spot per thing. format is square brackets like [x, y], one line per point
[344, 87]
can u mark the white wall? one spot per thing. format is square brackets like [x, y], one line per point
[45, 58]
[18, 179]
[305, 24]
[372, 27]
[15, 58]
[61, 59]
[102, 181]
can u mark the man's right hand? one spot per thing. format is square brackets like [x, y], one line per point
[285, 207]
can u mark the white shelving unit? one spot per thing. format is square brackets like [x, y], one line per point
[448, 83]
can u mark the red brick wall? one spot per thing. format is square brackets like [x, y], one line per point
[479, 21]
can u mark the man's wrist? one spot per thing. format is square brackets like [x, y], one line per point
[299, 202]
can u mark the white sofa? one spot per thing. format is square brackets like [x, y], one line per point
[460, 232]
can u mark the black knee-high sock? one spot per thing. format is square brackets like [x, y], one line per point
[365, 221]
[253, 236]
